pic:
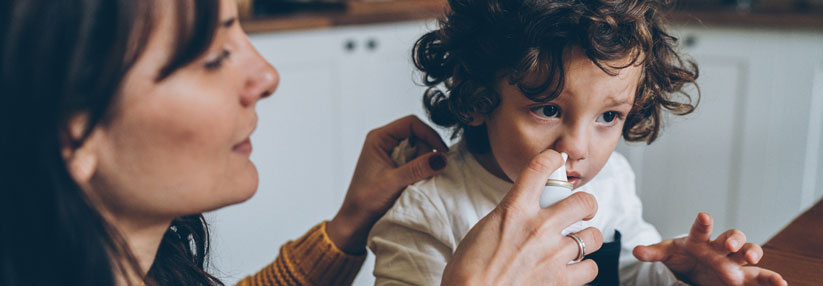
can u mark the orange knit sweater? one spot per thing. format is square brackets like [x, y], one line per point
[310, 260]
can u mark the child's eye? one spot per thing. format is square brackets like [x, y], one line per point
[547, 111]
[608, 118]
[218, 62]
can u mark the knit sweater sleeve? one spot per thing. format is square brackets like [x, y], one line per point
[313, 259]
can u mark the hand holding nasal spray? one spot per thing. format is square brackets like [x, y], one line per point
[558, 188]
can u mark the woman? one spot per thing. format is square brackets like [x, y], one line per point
[122, 121]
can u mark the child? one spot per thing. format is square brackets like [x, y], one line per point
[569, 75]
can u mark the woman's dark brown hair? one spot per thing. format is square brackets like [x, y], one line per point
[481, 41]
[59, 59]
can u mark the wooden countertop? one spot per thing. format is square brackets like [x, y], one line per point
[796, 252]
[358, 12]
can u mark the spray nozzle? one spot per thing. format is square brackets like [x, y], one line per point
[560, 173]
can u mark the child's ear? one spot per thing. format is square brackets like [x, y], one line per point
[477, 119]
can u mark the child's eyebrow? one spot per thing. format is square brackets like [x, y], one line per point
[617, 101]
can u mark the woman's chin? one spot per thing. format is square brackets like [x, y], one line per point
[237, 197]
[247, 187]
[239, 188]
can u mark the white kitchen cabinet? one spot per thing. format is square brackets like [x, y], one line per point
[750, 155]
[335, 85]
[378, 85]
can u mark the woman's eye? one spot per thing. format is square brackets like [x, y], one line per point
[547, 111]
[608, 118]
[218, 62]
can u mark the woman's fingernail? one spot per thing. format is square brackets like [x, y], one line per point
[733, 244]
[437, 162]
[754, 256]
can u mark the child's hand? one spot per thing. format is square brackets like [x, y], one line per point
[723, 261]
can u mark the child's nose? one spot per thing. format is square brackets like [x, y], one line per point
[573, 143]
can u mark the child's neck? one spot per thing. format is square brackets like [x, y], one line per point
[490, 164]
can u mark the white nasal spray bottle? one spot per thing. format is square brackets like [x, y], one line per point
[558, 188]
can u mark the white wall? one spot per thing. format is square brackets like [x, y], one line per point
[750, 154]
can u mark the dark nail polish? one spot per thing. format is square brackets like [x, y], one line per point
[437, 162]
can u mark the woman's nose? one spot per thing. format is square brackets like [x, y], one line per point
[261, 80]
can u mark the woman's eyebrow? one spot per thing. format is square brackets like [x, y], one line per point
[229, 22]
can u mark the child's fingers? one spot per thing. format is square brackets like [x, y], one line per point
[701, 230]
[750, 253]
[730, 241]
[654, 252]
[756, 276]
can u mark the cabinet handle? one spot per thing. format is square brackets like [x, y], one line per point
[350, 45]
[372, 44]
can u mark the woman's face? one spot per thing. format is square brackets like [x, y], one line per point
[181, 145]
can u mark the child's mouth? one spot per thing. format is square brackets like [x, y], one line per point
[574, 180]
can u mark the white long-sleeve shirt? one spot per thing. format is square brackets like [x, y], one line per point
[417, 237]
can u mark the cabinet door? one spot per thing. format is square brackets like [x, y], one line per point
[378, 82]
[748, 155]
[782, 135]
[293, 149]
[377, 85]
[813, 175]
[690, 168]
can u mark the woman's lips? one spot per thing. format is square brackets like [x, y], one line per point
[243, 147]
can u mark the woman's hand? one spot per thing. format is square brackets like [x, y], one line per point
[518, 243]
[723, 261]
[377, 182]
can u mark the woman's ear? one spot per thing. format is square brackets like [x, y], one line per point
[477, 119]
[81, 160]
[82, 165]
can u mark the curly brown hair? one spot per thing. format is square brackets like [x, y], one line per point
[481, 41]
